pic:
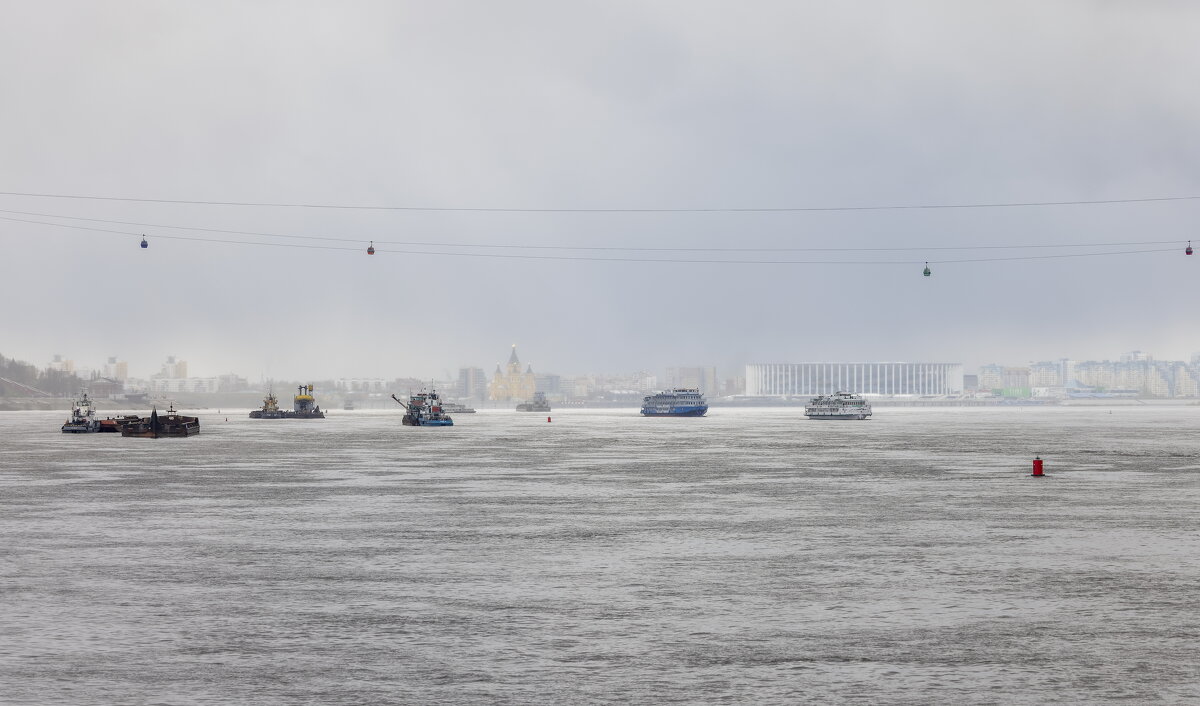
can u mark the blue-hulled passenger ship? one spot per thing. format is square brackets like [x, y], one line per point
[680, 402]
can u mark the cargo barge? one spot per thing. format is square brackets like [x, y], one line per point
[172, 424]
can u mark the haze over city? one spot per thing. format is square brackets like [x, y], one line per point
[595, 106]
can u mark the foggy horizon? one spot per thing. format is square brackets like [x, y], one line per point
[595, 106]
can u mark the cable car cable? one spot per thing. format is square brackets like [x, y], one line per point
[604, 259]
[592, 247]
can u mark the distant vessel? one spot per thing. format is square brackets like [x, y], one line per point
[424, 409]
[83, 417]
[154, 426]
[456, 408]
[270, 408]
[680, 402]
[537, 404]
[348, 405]
[304, 406]
[113, 425]
[839, 405]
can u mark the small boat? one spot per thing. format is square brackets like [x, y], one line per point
[171, 425]
[537, 404]
[83, 417]
[839, 405]
[679, 402]
[270, 408]
[424, 409]
[456, 408]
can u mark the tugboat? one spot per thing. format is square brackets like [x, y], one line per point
[680, 402]
[424, 409]
[270, 408]
[83, 417]
[304, 406]
[839, 405]
[537, 404]
[154, 426]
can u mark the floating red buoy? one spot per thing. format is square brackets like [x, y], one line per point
[1188, 250]
[1037, 467]
[371, 248]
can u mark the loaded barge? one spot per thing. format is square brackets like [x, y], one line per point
[172, 424]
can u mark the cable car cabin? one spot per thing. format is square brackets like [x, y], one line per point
[371, 248]
[1188, 251]
[927, 271]
[144, 243]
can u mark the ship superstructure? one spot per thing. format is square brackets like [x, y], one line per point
[679, 402]
[270, 408]
[83, 417]
[304, 405]
[424, 409]
[839, 405]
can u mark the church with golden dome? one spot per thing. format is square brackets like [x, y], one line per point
[512, 384]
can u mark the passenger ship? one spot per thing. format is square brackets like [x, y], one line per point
[680, 402]
[839, 405]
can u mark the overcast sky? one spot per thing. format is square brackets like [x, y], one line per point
[604, 105]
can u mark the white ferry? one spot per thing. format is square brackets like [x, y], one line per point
[839, 405]
[680, 402]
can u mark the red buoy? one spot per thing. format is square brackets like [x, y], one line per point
[1037, 467]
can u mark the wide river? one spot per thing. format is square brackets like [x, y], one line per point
[749, 556]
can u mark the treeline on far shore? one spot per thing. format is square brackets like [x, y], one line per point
[22, 380]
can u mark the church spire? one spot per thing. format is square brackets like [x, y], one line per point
[513, 357]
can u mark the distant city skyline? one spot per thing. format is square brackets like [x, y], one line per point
[1133, 370]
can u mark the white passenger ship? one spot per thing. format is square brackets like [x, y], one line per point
[839, 405]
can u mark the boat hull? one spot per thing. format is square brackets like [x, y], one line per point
[263, 414]
[675, 412]
[80, 428]
[411, 422]
[166, 427]
[837, 416]
[113, 426]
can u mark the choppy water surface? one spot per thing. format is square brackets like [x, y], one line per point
[749, 556]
